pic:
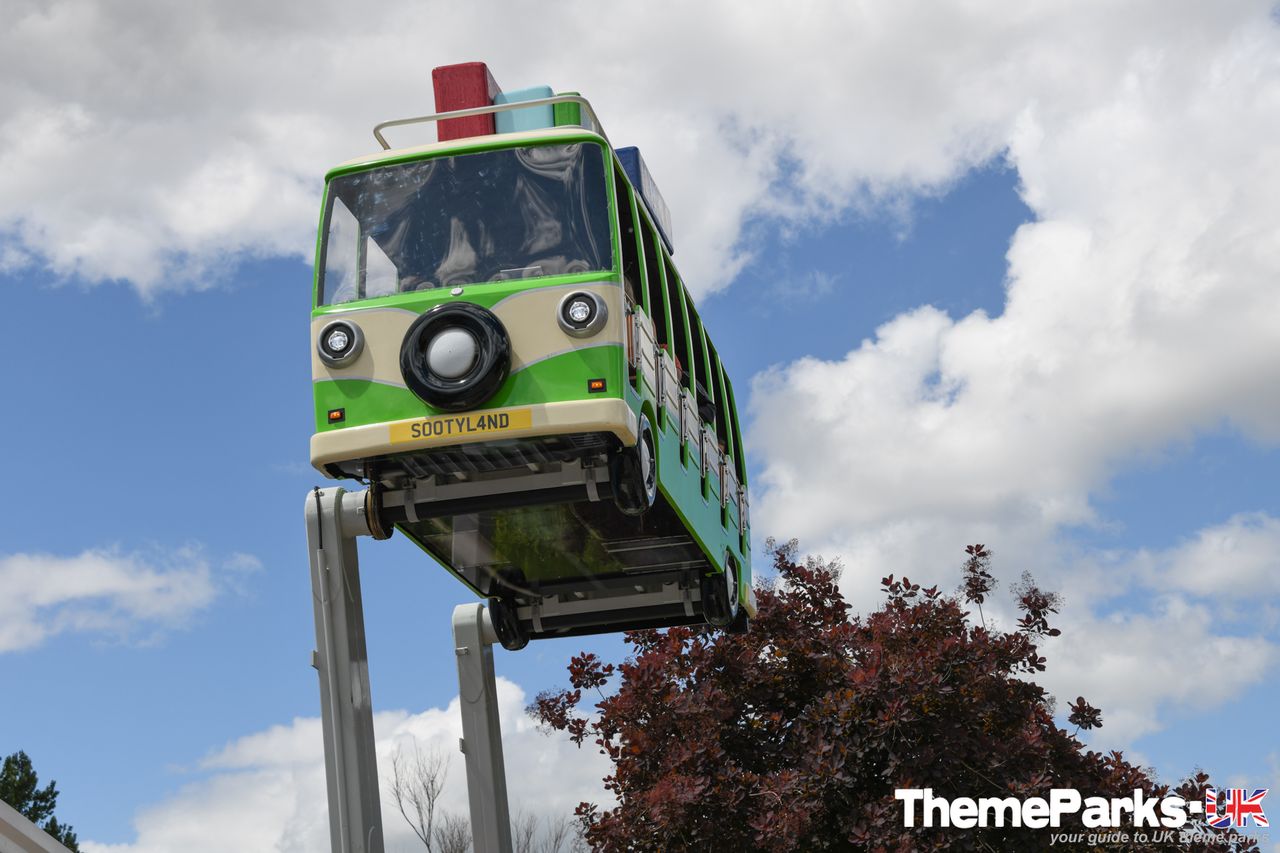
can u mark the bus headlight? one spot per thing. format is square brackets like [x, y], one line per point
[582, 314]
[340, 343]
[337, 341]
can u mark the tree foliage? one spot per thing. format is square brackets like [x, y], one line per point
[795, 736]
[20, 788]
[978, 581]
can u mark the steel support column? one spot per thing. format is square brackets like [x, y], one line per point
[335, 518]
[473, 639]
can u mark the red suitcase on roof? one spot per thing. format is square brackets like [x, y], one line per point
[461, 87]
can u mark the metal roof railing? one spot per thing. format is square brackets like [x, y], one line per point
[587, 112]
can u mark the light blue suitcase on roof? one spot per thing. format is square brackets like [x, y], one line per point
[533, 118]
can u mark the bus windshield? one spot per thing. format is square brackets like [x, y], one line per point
[469, 218]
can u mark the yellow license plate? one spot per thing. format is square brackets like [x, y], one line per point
[461, 426]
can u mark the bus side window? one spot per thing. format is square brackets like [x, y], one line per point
[722, 414]
[740, 461]
[679, 324]
[627, 234]
[702, 379]
[653, 280]
[728, 444]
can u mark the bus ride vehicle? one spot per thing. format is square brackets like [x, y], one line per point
[504, 352]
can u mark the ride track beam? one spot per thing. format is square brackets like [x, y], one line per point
[335, 518]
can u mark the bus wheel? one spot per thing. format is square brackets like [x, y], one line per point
[720, 597]
[741, 623]
[506, 625]
[634, 472]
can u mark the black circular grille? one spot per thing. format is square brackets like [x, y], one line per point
[491, 367]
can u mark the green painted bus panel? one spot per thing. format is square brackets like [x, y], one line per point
[681, 484]
[561, 377]
[564, 377]
[485, 294]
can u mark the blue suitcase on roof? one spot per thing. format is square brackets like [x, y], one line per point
[633, 165]
[533, 118]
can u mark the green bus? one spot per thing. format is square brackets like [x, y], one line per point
[505, 354]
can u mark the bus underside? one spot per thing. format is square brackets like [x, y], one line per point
[533, 523]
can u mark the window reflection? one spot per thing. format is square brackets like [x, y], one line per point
[487, 216]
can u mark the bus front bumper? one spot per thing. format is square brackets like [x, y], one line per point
[372, 441]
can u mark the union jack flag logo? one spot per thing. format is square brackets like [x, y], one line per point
[1240, 805]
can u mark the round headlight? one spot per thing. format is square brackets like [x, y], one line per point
[582, 314]
[452, 353]
[340, 343]
[337, 341]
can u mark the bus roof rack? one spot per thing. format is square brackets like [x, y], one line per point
[592, 123]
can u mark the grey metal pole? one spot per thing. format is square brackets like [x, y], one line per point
[19, 835]
[335, 518]
[473, 639]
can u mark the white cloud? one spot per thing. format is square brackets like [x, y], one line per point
[1238, 559]
[150, 142]
[1140, 303]
[1140, 311]
[1134, 666]
[107, 593]
[266, 791]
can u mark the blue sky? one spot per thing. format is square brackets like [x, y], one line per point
[1044, 301]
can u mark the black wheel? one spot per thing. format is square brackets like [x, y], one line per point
[455, 356]
[741, 623]
[506, 625]
[720, 597]
[634, 473]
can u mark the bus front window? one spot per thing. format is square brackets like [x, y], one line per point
[470, 218]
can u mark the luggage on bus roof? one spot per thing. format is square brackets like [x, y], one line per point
[461, 87]
[530, 118]
[633, 164]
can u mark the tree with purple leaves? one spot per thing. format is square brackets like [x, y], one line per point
[795, 736]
